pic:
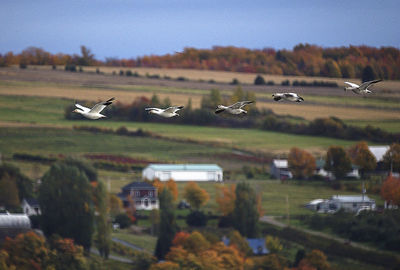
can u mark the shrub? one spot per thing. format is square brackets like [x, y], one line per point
[121, 73]
[23, 65]
[259, 80]
[128, 73]
[196, 219]
[270, 83]
[181, 78]
[123, 220]
[235, 81]
[70, 67]
[285, 83]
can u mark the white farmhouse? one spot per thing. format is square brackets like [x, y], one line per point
[183, 172]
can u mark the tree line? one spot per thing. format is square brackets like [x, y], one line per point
[304, 59]
[259, 119]
[339, 161]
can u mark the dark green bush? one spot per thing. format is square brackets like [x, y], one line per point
[196, 219]
[259, 80]
[123, 220]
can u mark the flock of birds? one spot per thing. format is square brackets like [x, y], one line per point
[95, 112]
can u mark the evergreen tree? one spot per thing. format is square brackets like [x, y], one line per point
[65, 199]
[245, 214]
[103, 235]
[83, 166]
[168, 227]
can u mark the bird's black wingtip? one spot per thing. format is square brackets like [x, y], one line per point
[219, 111]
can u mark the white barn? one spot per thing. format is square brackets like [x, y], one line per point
[183, 172]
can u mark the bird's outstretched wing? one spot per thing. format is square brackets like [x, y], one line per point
[240, 104]
[100, 106]
[219, 110]
[83, 108]
[289, 95]
[352, 84]
[154, 109]
[365, 85]
[173, 109]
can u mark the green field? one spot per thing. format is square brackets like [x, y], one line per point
[50, 112]
[144, 241]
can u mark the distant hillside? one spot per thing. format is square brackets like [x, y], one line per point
[347, 62]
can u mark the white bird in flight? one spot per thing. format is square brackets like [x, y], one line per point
[360, 89]
[93, 113]
[234, 108]
[288, 96]
[167, 113]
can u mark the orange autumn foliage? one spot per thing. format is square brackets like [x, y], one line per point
[180, 238]
[225, 198]
[195, 195]
[194, 251]
[170, 185]
[390, 190]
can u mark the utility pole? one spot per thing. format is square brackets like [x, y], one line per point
[287, 210]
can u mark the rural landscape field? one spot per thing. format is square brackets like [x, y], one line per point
[32, 116]
[210, 135]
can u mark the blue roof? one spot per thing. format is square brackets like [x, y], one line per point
[185, 167]
[256, 244]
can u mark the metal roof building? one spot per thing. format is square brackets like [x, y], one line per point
[13, 224]
[18, 221]
[183, 172]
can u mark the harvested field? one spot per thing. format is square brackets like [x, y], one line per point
[77, 92]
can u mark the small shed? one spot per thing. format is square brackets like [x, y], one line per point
[183, 172]
[279, 169]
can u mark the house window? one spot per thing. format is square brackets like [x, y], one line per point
[137, 193]
[150, 193]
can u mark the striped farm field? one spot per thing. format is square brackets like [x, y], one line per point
[25, 111]
[224, 76]
[318, 107]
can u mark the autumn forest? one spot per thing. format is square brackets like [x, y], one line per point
[303, 59]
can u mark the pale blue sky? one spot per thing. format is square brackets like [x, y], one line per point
[124, 28]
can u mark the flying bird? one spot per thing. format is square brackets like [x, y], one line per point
[234, 108]
[360, 89]
[167, 113]
[93, 113]
[287, 96]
